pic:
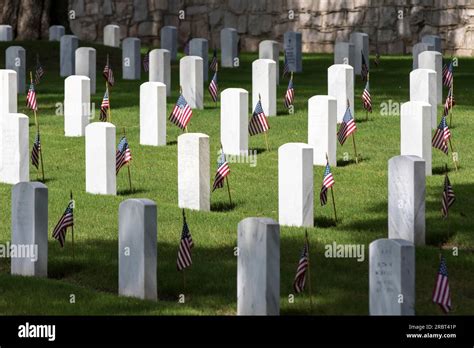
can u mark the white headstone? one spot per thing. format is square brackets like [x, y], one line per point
[258, 267]
[100, 158]
[137, 248]
[77, 105]
[56, 32]
[67, 58]
[15, 59]
[433, 60]
[341, 87]
[361, 46]
[193, 171]
[8, 101]
[264, 84]
[417, 49]
[433, 40]
[190, 80]
[406, 199]
[322, 121]
[6, 32]
[30, 229]
[86, 65]
[344, 53]
[160, 68]
[229, 47]
[200, 48]
[112, 35]
[131, 60]
[391, 277]
[153, 114]
[169, 40]
[15, 149]
[234, 121]
[415, 131]
[270, 49]
[423, 89]
[295, 185]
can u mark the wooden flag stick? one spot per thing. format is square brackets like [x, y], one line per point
[355, 149]
[72, 231]
[309, 274]
[128, 167]
[452, 150]
[451, 104]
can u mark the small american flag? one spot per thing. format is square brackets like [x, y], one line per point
[182, 113]
[366, 98]
[31, 98]
[39, 71]
[303, 264]
[66, 220]
[146, 61]
[213, 64]
[448, 197]
[441, 292]
[108, 74]
[123, 155]
[185, 245]
[328, 182]
[35, 151]
[286, 67]
[448, 75]
[449, 103]
[290, 94]
[377, 59]
[258, 122]
[223, 170]
[364, 69]
[213, 89]
[348, 126]
[442, 136]
[104, 106]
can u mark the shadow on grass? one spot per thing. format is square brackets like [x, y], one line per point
[127, 192]
[259, 150]
[324, 222]
[441, 170]
[223, 206]
[171, 142]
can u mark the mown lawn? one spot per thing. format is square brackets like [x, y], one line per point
[340, 286]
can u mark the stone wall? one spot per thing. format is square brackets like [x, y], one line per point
[393, 25]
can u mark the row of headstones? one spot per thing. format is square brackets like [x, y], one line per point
[55, 32]
[391, 265]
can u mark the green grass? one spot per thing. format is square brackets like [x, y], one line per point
[340, 286]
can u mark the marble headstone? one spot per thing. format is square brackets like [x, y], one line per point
[391, 277]
[131, 58]
[67, 58]
[344, 53]
[433, 40]
[361, 46]
[258, 267]
[417, 49]
[56, 32]
[153, 114]
[160, 68]
[30, 229]
[137, 248]
[293, 49]
[194, 171]
[229, 47]
[423, 88]
[406, 199]
[15, 59]
[77, 105]
[295, 185]
[190, 80]
[8, 102]
[6, 32]
[100, 159]
[86, 65]
[14, 166]
[433, 60]
[234, 121]
[322, 120]
[264, 85]
[341, 87]
[200, 48]
[169, 40]
[415, 131]
[270, 49]
[112, 35]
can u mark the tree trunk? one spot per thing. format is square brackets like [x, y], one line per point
[28, 18]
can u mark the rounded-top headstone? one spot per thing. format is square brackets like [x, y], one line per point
[56, 32]
[112, 35]
[6, 32]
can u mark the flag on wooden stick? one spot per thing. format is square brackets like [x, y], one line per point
[185, 245]
[301, 270]
[105, 106]
[213, 88]
[290, 93]
[213, 64]
[182, 113]
[442, 136]
[66, 220]
[347, 127]
[258, 122]
[223, 170]
[328, 182]
[108, 73]
[35, 151]
[441, 292]
[39, 71]
[123, 155]
[448, 197]
[31, 97]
